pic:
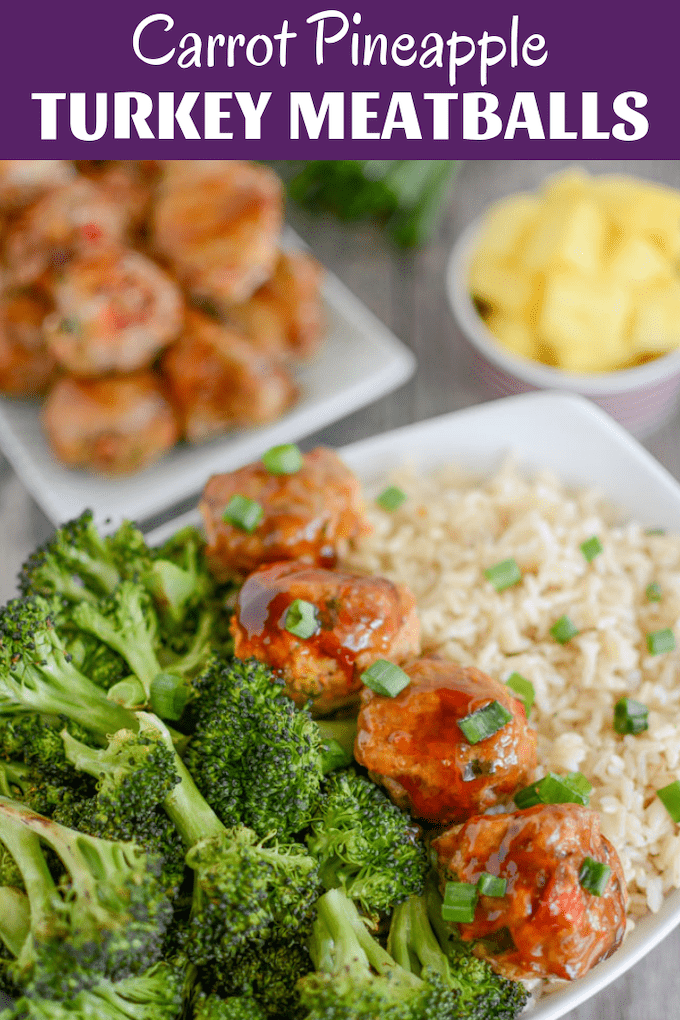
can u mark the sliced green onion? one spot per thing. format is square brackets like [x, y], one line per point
[655, 531]
[591, 548]
[630, 716]
[661, 641]
[524, 690]
[670, 798]
[243, 513]
[594, 876]
[460, 900]
[491, 885]
[334, 756]
[484, 722]
[301, 619]
[283, 460]
[572, 788]
[391, 498]
[169, 694]
[564, 630]
[653, 592]
[503, 575]
[385, 678]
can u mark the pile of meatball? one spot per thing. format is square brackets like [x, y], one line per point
[148, 303]
[546, 924]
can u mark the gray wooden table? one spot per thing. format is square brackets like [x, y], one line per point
[407, 292]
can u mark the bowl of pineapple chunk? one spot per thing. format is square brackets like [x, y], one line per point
[577, 287]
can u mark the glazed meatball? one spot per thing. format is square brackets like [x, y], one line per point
[358, 620]
[26, 365]
[69, 221]
[218, 382]
[557, 927]
[111, 426]
[23, 181]
[115, 310]
[412, 743]
[307, 516]
[217, 222]
[124, 181]
[284, 318]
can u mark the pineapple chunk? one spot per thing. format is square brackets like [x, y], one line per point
[506, 226]
[584, 321]
[644, 209]
[570, 184]
[655, 327]
[502, 287]
[569, 235]
[515, 335]
[637, 260]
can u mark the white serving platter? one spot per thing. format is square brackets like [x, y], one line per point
[360, 361]
[570, 436]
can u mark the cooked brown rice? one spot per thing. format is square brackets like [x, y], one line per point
[440, 541]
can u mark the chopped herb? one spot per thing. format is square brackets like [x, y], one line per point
[563, 630]
[460, 900]
[523, 689]
[385, 678]
[653, 592]
[504, 575]
[594, 876]
[670, 798]
[491, 885]
[661, 641]
[591, 548]
[243, 513]
[301, 619]
[572, 788]
[484, 722]
[630, 716]
[283, 460]
[391, 498]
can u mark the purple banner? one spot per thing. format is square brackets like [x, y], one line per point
[360, 80]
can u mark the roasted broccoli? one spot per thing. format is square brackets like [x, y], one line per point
[105, 919]
[255, 757]
[365, 844]
[356, 979]
[38, 675]
[422, 942]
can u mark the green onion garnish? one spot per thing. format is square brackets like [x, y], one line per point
[460, 900]
[653, 592]
[661, 641]
[524, 689]
[243, 513]
[593, 876]
[655, 531]
[670, 798]
[385, 678]
[334, 756]
[503, 575]
[591, 548]
[391, 498]
[301, 619]
[630, 716]
[283, 460]
[484, 722]
[563, 630]
[491, 885]
[572, 788]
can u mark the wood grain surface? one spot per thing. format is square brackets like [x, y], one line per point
[407, 292]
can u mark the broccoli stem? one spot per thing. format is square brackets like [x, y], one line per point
[412, 942]
[15, 918]
[133, 641]
[41, 891]
[340, 937]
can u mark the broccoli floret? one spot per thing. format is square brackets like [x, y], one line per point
[37, 674]
[356, 979]
[255, 757]
[105, 919]
[135, 773]
[75, 563]
[153, 995]
[270, 973]
[240, 1007]
[421, 941]
[96, 660]
[365, 844]
[177, 576]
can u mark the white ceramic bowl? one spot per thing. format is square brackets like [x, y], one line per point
[641, 398]
[583, 447]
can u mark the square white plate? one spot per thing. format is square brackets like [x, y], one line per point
[359, 362]
[585, 447]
